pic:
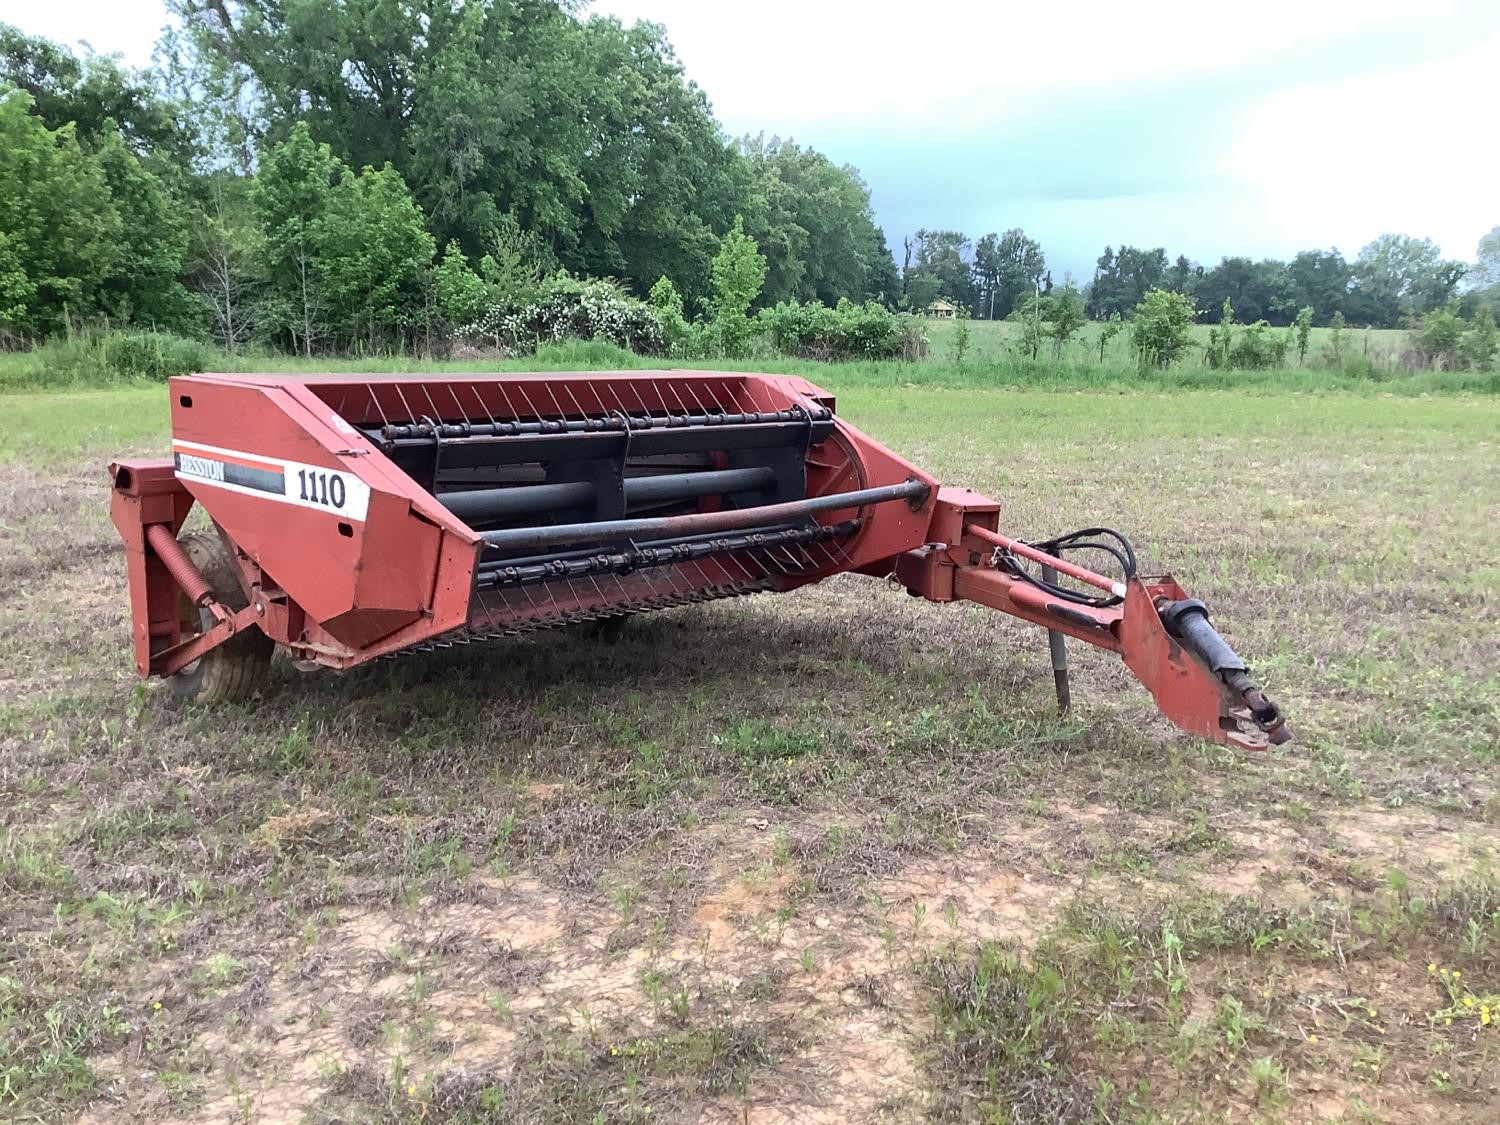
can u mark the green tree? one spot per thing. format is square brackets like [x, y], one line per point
[667, 302]
[739, 271]
[1441, 337]
[291, 195]
[515, 261]
[1183, 277]
[1221, 338]
[1006, 268]
[942, 268]
[1486, 271]
[819, 237]
[921, 290]
[583, 128]
[1336, 338]
[460, 293]
[1258, 290]
[59, 230]
[1302, 329]
[98, 98]
[1481, 340]
[1320, 278]
[143, 286]
[1398, 276]
[1122, 279]
[960, 335]
[1066, 316]
[223, 249]
[1161, 327]
[1108, 331]
[1033, 328]
[373, 252]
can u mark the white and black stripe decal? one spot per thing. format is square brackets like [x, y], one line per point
[273, 478]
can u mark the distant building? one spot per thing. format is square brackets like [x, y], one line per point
[941, 310]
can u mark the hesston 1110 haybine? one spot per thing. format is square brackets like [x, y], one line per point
[356, 517]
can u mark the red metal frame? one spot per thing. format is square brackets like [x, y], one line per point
[371, 562]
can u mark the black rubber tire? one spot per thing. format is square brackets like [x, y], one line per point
[239, 667]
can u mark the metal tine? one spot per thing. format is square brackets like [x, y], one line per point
[582, 413]
[410, 413]
[793, 565]
[509, 406]
[833, 556]
[594, 582]
[562, 415]
[459, 413]
[665, 404]
[688, 387]
[375, 398]
[619, 406]
[479, 398]
[437, 415]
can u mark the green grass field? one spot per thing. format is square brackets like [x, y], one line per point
[994, 340]
[827, 857]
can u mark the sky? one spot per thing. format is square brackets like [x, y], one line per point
[1209, 129]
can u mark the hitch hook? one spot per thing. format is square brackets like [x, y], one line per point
[1187, 621]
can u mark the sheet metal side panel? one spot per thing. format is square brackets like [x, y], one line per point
[328, 562]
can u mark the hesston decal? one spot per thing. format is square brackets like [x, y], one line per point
[288, 482]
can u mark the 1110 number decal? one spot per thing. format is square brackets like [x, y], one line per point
[326, 489]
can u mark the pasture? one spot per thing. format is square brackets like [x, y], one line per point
[828, 857]
[996, 340]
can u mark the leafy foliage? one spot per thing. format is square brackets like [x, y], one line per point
[59, 232]
[819, 235]
[566, 308]
[1123, 279]
[667, 302]
[1398, 276]
[939, 265]
[1481, 341]
[845, 332]
[460, 293]
[1160, 332]
[739, 270]
[156, 355]
[1302, 327]
[1108, 330]
[1007, 268]
[1066, 317]
[1259, 346]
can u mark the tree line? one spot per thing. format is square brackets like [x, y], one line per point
[1393, 281]
[366, 176]
[314, 176]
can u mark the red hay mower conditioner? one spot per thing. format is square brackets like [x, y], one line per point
[356, 517]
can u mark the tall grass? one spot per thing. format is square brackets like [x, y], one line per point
[102, 360]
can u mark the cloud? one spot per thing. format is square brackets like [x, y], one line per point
[1207, 130]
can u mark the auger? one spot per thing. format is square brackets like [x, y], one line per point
[356, 517]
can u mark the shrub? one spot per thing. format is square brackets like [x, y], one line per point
[739, 271]
[847, 332]
[1220, 339]
[96, 357]
[1481, 341]
[566, 308]
[156, 355]
[667, 302]
[1441, 338]
[1258, 347]
[1161, 327]
[461, 294]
